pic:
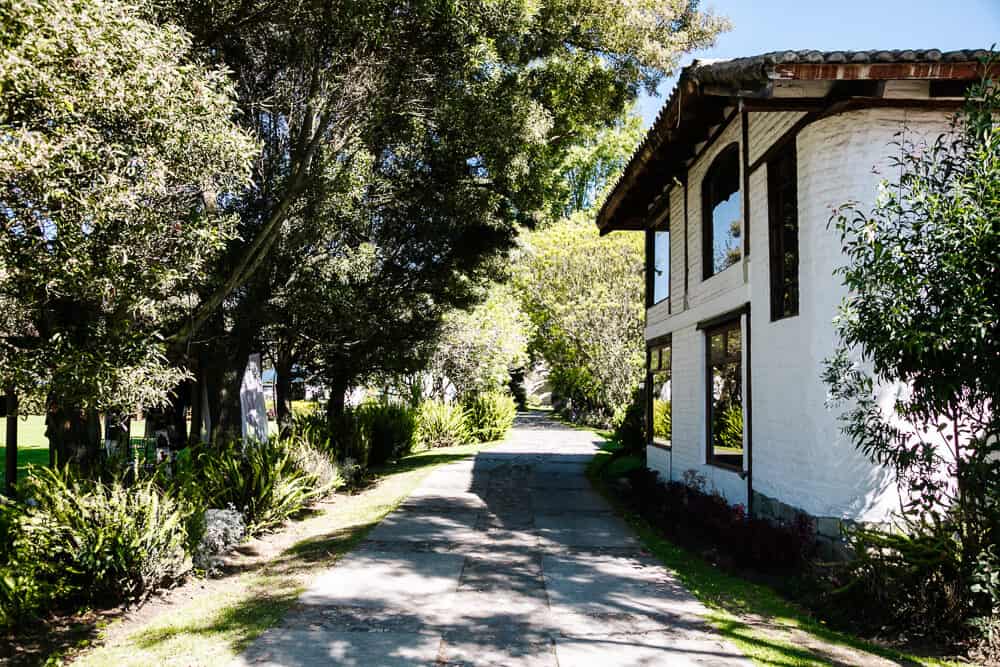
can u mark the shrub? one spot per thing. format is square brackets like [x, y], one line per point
[315, 462]
[390, 430]
[349, 439]
[906, 578]
[630, 432]
[302, 409]
[441, 425]
[688, 514]
[490, 415]
[222, 530]
[83, 541]
[262, 481]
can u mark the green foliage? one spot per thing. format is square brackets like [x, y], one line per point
[80, 541]
[390, 428]
[662, 419]
[728, 427]
[260, 479]
[630, 433]
[584, 295]
[490, 415]
[302, 409]
[478, 349]
[117, 150]
[441, 424]
[921, 330]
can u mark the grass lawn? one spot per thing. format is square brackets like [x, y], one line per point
[212, 627]
[766, 627]
[32, 445]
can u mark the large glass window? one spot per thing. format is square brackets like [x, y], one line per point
[658, 405]
[783, 230]
[725, 395]
[721, 223]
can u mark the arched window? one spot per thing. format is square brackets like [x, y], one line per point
[721, 224]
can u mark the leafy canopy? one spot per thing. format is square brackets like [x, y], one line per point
[115, 148]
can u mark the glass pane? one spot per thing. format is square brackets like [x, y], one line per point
[717, 345]
[727, 415]
[733, 343]
[654, 359]
[726, 249]
[661, 266]
[661, 420]
[665, 359]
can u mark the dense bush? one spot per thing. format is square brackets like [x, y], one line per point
[490, 415]
[903, 578]
[441, 424]
[687, 513]
[630, 432]
[79, 541]
[261, 480]
[390, 430]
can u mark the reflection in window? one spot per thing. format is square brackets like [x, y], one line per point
[783, 213]
[721, 223]
[661, 265]
[658, 407]
[725, 399]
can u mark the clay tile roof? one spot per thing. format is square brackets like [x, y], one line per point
[756, 71]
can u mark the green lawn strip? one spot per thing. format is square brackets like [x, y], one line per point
[212, 628]
[730, 599]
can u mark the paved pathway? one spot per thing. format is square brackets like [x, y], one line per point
[507, 559]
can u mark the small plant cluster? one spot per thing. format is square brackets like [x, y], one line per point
[484, 417]
[690, 515]
[76, 540]
[82, 541]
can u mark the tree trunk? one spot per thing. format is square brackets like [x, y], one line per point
[10, 458]
[71, 433]
[169, 419]
[197, 403]
[282, 391]
[338, 395]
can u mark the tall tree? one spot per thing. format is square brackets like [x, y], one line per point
[462, 114]
[117, 149]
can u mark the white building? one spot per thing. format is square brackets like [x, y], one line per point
[734, 187]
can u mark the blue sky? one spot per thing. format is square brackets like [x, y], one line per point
[760, 26]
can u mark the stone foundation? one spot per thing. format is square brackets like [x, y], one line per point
[829, 531]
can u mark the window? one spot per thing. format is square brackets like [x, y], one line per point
[721, 224]
[658, 404]
[783, 232]
[657, 264]
[725, 395]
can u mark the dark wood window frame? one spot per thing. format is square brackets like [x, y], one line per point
[656, 344]
[730, 154]
[662, 226]
[783, 232]
[734, 323]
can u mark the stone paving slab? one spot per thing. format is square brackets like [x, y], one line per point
[507, 559]
[287, 647]
[602, 529]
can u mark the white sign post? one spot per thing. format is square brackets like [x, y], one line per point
[252, 402]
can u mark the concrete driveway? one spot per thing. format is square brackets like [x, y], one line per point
[507, 559]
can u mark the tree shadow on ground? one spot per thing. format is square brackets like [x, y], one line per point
[61, 633]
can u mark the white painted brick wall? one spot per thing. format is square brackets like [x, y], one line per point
[800, 457]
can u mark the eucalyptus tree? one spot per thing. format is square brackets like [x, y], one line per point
[462, 113]
[116, 147]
